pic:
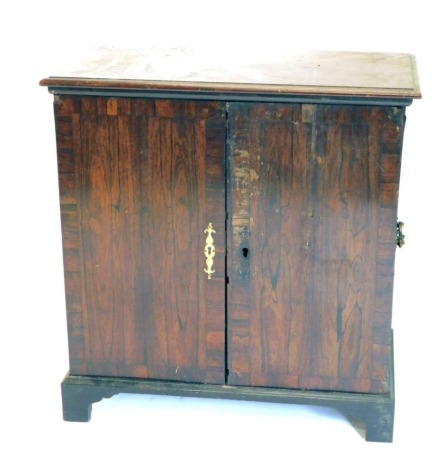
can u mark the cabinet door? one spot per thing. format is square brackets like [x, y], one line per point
[140, 181]
[312, 214]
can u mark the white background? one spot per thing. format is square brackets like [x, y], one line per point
[36, 37]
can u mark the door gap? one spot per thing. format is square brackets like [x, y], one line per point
[226, 223]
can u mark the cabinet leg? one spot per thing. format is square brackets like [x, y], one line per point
[78, 398]
[379, 424]
[377, 419]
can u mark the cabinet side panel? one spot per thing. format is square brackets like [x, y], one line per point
[315, 193]
[390, 132]
[67, 128]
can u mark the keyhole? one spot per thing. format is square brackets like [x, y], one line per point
[245, 252]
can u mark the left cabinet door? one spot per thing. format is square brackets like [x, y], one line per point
[140, 181]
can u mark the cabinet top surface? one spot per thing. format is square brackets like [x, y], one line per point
[300, 73]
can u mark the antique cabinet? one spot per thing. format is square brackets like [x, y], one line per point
[229, 228]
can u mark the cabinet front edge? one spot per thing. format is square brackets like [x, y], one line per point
[238, 97]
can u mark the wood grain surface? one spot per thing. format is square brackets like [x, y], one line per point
[312, 204]
[276, 72]
[139, 182]
[311, 197]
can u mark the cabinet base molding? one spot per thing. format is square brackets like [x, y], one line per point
[375, 411]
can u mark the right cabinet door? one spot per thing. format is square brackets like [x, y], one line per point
[312, 201]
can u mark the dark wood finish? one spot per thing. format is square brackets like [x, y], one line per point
[375, 411]
[139, 181]
[295, 161]
[298, 73]
[312, 199]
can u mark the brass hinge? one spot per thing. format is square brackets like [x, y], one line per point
[399, 235]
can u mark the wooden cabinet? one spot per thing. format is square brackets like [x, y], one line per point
[232, 238]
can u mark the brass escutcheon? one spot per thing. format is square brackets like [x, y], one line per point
[209, 250]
